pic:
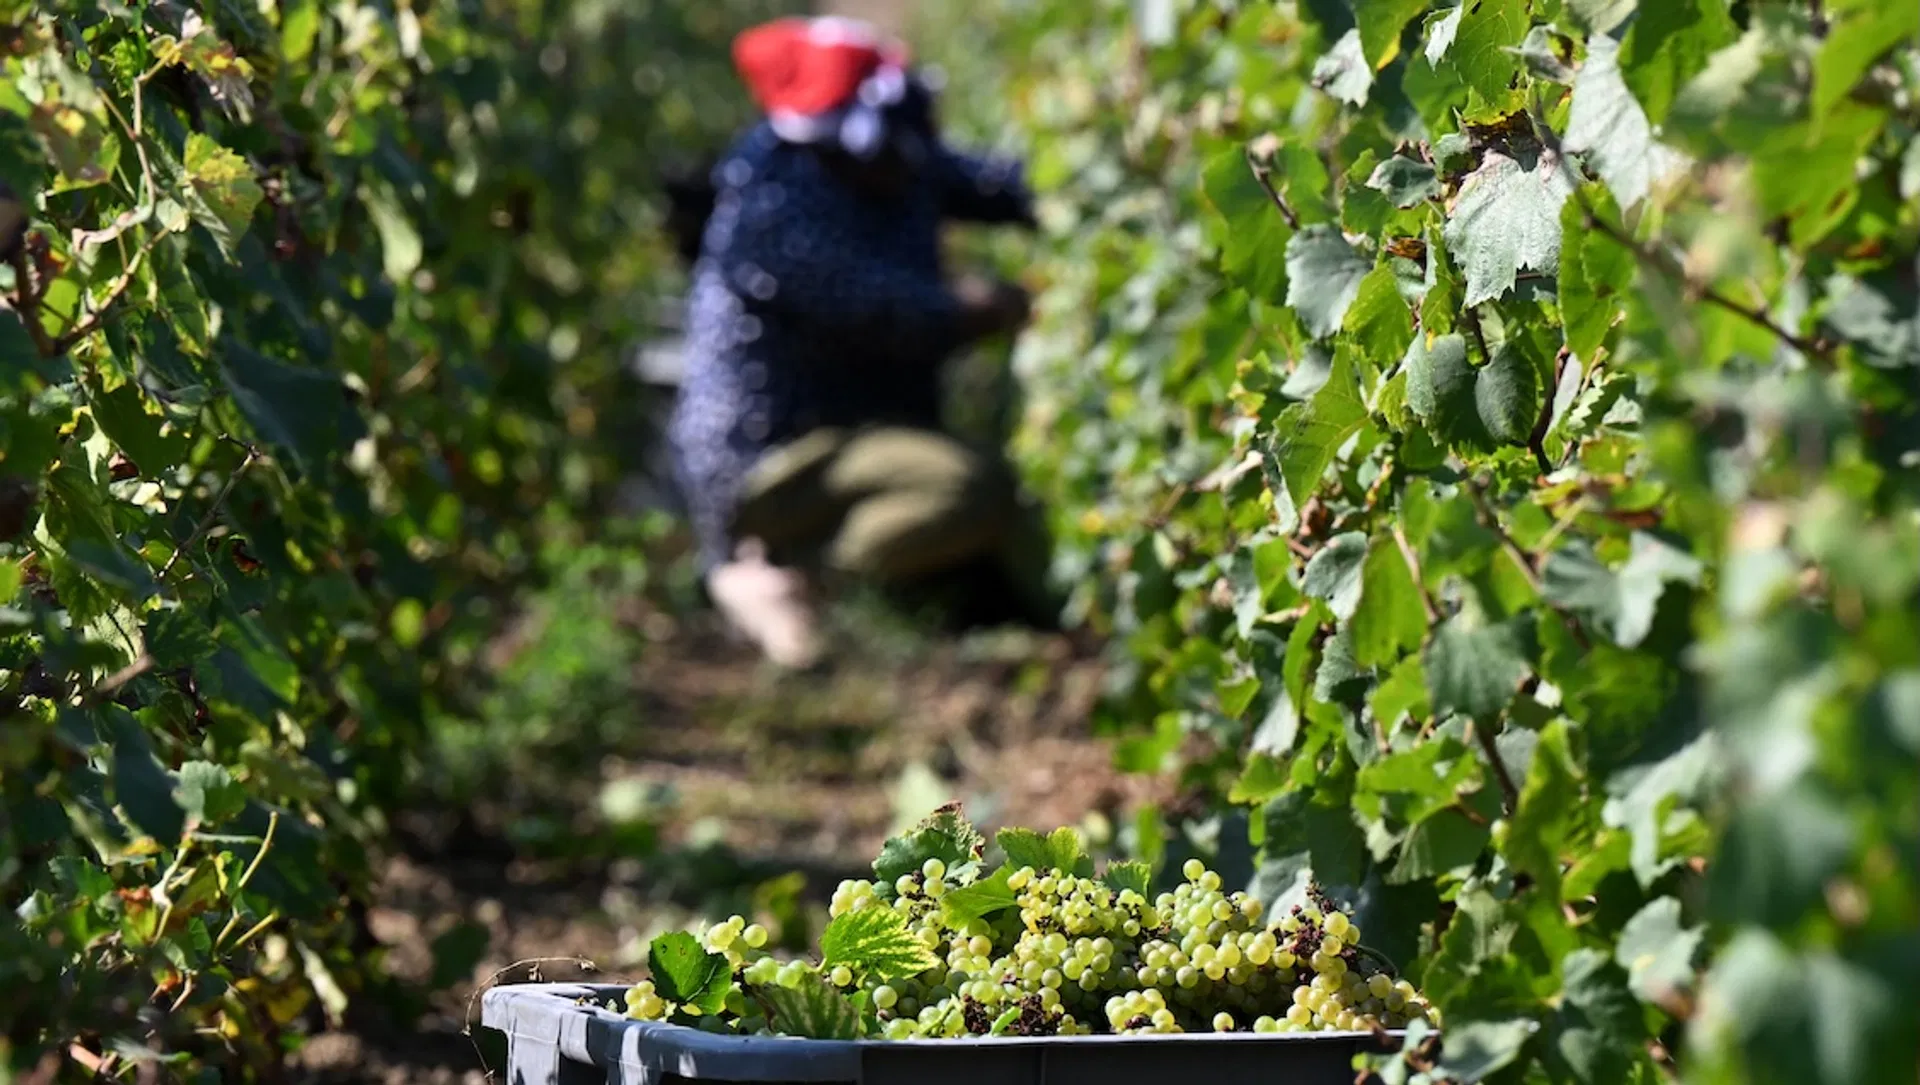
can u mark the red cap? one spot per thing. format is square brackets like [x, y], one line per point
[807, 67]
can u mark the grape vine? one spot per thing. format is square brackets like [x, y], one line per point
[309, 316]
[1498, 424]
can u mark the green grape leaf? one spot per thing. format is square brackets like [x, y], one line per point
[1476, 1050]
[1879, 315]
[1390, 620]
[1547, 822]
[684, 972]
[1602, 16]
[1442, 29]
[814, 1010]
[1323, 277]
[209, 793]
[1667, 45]
[1777, 857]
[1597, 1033]
[1473, 667]
[1507, 220]
[303, 410]
[400, 247]
[1403, 693]
[1343, 72]
[874, 941]
[1657, 952]
[227, 191]
[1381, 23]
[1608, 127]
[1298, 825]
[1444, 843]
[1597, 275]
[945, 835]
[1379, 321]
[1620, 604]
[1063, 849]
[123, 416]
[1484, 49]
[1255, 235]
[985, 898]
[1813, 1017]
[1404, 181]
[1307, 436]
[176, 639]
[1133, 874]
[1506, 395]
[1333, 573]
[142, 789]
[1440, 388]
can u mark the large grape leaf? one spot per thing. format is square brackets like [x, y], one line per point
[1813, 1018]
[1333, 573]
[226, 189]
[1308, 435]
[1474, 667]
[813, 1010]
[1485, 51]
[1323, 277]
[1599, 1028]
[875, 942]
[1507, 220]
[1474, 1051]
[208, 793]
[1506, 394]
[1390, 619]
[1668, 44]
[1607, 125]
[1343, 71]
[1858, 34]
[686, 973]
[986, 897]
[1253, 244]
[1404, 181]
[1777, 857]
[1380, 25]
[1619, 604]
[945, 835]
[1548, 818]
[1658, 952]
[1063, 849]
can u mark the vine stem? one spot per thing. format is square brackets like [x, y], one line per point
[1413, 566]
[1264, 175]
[206, 522]
[1509, 794]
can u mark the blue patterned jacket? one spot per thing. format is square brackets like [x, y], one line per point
[813, 306]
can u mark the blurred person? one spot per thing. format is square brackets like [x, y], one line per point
[806, 438]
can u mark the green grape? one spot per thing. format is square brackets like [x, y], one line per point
[1223, 1022]
[884, 997]
[841, 976]
[755, 936]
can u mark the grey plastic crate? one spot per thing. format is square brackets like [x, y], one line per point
[572, 1034]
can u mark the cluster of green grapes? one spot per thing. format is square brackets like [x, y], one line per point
[1074, 956]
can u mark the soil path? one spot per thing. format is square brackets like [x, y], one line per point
[746, 792]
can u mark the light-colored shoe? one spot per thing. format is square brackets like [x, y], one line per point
[772, 606]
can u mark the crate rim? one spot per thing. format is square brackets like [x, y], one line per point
[495, 1000]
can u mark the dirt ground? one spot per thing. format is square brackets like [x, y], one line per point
[745, 777]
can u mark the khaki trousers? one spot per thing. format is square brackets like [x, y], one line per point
[892, 505]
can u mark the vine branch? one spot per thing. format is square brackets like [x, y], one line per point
[1264, 174]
